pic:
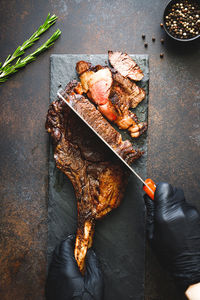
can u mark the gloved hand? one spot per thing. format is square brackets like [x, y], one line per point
[65, 281]
[173, 229]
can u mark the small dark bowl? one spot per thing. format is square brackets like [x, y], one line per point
[167, 9]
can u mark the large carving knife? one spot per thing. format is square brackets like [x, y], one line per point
[148, 185]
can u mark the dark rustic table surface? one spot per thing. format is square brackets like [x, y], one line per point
[88, 26]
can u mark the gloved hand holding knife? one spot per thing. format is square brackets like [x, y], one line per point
[173, 230]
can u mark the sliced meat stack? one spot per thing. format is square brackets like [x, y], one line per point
[94, 118]
[113, 92]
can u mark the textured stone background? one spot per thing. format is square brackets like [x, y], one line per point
[88, 26]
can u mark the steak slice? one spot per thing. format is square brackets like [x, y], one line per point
[95, 119]
[131, 94]
[100, 85]
[125, 65]
[125, 94]
[99, 179]
[97, 83]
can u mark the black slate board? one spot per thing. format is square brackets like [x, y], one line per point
[120, 237]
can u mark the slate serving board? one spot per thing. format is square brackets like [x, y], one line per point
[119, 239]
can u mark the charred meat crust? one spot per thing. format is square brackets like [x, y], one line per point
[82, 66]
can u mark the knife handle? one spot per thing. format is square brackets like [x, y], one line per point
[152, 186]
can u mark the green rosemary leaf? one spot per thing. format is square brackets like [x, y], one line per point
[22, 62]
[50, 20]
[8, 57]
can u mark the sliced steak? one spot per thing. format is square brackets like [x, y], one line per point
[131, 93]
[97, 85]
[95, 119]
[100, 85]
[125, 65]
[113, 94]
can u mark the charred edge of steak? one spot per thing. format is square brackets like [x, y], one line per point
[97, 68]
[71, 86]
[125, 65]
[95, 119]
[126, 151]
[55, 121]
[82, 66]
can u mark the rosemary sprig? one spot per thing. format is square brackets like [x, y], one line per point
[50, 20]
[22, 62]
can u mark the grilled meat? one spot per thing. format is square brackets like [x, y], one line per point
[114, 94]
[125, 65]
[100, 85]
[126, 118]
[98, 178]
[130, 92]
[82, 66]
[94, 118]
[126, 94]
[97, 85]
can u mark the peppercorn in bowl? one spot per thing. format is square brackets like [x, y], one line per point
[182, 19]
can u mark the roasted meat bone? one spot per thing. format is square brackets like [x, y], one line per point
[98, 178]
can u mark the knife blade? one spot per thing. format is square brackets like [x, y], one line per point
[148, 184]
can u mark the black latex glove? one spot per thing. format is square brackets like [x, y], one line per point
[65, 281]
[173, 228]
